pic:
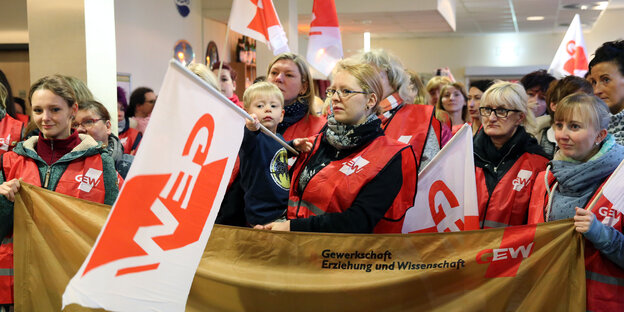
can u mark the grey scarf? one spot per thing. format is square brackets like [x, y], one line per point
[343, 136]
[579, 181]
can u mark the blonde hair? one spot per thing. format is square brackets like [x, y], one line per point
[366, 75]
[263, 88]
[306, 77]
[590, 107]
[421, 96]
[3, 95]
[204, 73]
[510, 95]
[397, 76]
[436, 82]
[459, 86]
[82, 92]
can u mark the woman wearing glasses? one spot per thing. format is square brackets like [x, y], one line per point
[507, 158]
[58, 159]
[93, 119]
[355, 179]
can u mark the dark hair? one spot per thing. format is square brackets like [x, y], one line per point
[137, 97]
[561, 88]
[10, 108]
[482, 85]
[610, 51]
[96, 107]
[121, 98]
[57, 85]
[537, 78]
[226, 66]
[21, 103]
[260, 79]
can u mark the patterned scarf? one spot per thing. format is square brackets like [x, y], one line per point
[389, 106]
[616, 127]
[343, 136]
[292, 114]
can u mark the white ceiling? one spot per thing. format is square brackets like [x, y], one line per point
[472, 17]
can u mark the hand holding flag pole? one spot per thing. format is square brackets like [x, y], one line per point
[237, 109]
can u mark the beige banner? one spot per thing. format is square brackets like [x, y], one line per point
[516, 269]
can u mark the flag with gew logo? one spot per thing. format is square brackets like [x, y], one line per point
[446, 200]
[148, 251]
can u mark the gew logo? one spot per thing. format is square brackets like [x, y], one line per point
[354, 165]
[521, 180]
[517, 244]
[88, 180]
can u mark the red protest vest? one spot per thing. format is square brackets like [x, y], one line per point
[410, 125]
[10, 133]
[604, 279]
[334, 188]
[23, 118]
[509, 202]
[128, 139]
[307, 126]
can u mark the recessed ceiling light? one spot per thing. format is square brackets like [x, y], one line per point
[535, 18]
[599, 5]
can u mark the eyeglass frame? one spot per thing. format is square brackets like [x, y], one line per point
[341, 93]
[482, 111]
[91, 122]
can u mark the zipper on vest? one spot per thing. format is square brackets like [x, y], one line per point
[47, 178]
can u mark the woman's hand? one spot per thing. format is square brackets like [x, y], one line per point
[252, 125]
[275, 226]
[302, 144]
[583, 220]
[9, 189]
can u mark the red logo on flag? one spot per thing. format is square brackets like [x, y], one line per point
[578, 60]
[265, 17]
[157, 213]
[517, 245]
[437, 212]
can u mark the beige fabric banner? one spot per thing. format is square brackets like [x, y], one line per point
[529, 268]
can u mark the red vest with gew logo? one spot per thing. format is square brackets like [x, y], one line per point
[127, 139]
[509, 202]
[334, 188]
[10, 133]
[604, 279]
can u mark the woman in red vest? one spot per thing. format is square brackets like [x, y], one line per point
[10, 128]
[507, 159]
[355, 179]
[130, 138]
[453, 100]
[289, 72]
[586, 158]
[58, 159]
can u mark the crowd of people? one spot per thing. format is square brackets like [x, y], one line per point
[543, 149]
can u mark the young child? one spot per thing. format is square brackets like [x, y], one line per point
[263, 173]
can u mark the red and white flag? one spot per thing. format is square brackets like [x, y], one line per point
[257, 19]
[613, 190]
[325, 44]
[147, 253]
[446, 199]
[571, 57]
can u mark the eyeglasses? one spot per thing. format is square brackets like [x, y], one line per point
[88, 123]
[499, 112]
[343, 94]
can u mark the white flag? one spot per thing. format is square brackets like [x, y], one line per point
[446, 200]
[257, 19]
[325, 45]
[147, 253]
[571, 57]
[613, 190]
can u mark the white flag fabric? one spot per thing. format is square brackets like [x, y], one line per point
[325, 44]
[147, 253]
[257, 19]
[613, 190]
[571, 57]
[446, 200]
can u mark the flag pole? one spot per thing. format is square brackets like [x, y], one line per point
[233, 106]
[595, 200]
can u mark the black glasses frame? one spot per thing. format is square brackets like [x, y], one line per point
[499, 112]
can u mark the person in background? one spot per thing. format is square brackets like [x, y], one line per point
[453, 101]
[260, 79]
[474, 101]
[205, 74]
[130, 138]
[9, 109]
[10, 128]
[81, 90]
[400, 119]
[326, 196]
[543, 131]
[417, 88]
[606, 74]
[227, 81]
[507, 159]
[290, 73]
[52, 160]
[142, 101]
[20, 110]
[434, 85]
[536, 83]
[93, 119]
[588, 155]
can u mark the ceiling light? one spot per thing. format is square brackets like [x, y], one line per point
[598, 5]
[535, 18]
